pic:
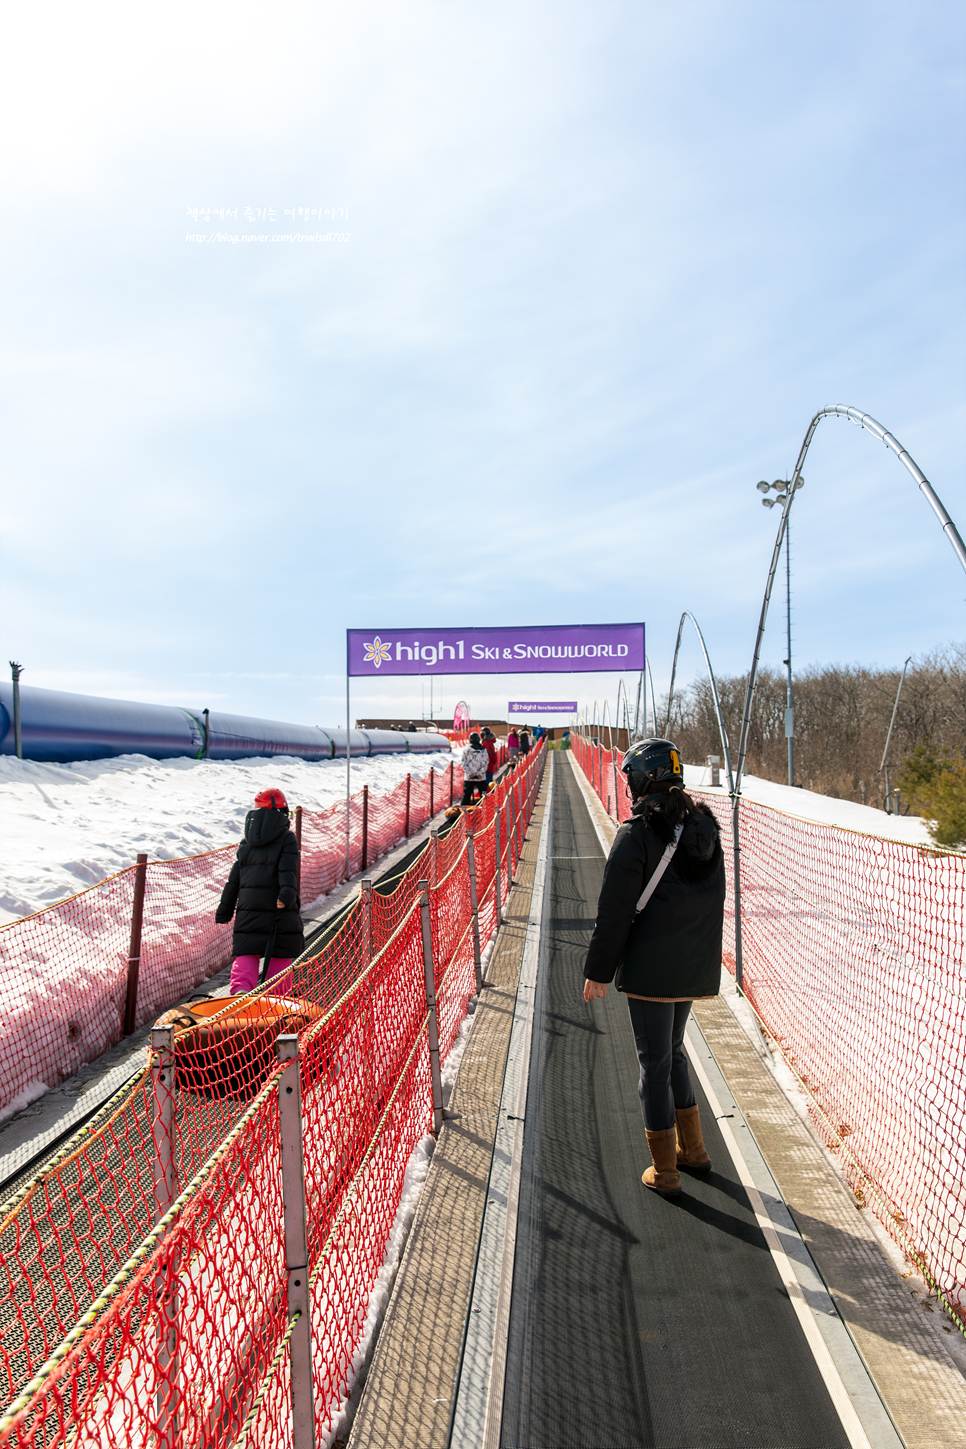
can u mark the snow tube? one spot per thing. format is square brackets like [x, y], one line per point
[232, 1055]
[57, 728]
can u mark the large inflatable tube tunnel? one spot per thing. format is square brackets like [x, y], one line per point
[57, 728]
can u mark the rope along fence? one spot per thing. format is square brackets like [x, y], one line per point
[65, 969]
[145, 1299]
[854, 959]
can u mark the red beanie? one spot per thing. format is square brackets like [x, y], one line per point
[271, 800]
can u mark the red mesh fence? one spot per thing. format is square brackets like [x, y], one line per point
[65, 969]
[854, 958]
[113, 1331]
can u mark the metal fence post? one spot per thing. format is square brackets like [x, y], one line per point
[432, 777]
[432, 1023]
[134, 952]
[617, 808]
[365, 896]
[474, 907]
[164, 1099]
[409, 786]
[451, 782]
[296, 1242]
[498, 874]
[365, 827]
[298, 845]
[164, 1087]
[434, 839]
[16, 670]
[511, 841]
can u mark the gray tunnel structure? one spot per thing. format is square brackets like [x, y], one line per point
[58, 728]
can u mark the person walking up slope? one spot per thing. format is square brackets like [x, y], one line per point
[489, 744]
[664, 946]
[262, 894]
[475, 763]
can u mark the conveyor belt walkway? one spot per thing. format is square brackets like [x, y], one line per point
[635, 1320]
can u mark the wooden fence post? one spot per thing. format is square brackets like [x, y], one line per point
[134, 952]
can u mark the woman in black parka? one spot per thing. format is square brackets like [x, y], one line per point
[262, 895]
[668, 955]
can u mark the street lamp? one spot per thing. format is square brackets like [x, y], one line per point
[781, 488]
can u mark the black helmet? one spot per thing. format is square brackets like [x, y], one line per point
[475, 739]
[652, 761]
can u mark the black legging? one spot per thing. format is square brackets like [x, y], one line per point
[471, 787]
[665, 1079]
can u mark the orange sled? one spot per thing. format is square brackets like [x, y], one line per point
[231, 1056]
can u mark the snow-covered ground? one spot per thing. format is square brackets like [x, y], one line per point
[65, 827]
[807, 805]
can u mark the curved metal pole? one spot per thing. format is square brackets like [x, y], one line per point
[605, 718]
[674, 670]
[723, 733]
[863, 420]
[621, 687]
[637, 706]
[650, 676]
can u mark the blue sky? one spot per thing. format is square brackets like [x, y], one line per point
[604, 261]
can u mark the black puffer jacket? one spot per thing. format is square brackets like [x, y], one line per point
[265, 871]
[672, 950]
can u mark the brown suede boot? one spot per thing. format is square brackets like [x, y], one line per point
[691, 1151]
[663, 1177]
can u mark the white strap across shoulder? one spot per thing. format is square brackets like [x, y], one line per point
[660, 868]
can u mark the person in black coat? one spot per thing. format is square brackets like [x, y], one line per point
[262, 895]
[669, 954]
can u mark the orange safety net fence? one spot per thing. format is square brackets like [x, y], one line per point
[65, 968]
[854, 959]
[143, 1295]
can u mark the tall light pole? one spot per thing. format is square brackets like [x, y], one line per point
[782, 489]
[885, 753]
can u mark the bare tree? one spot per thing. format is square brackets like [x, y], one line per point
[842, 717]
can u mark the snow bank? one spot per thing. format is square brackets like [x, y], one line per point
[825, 809]
[66, 827]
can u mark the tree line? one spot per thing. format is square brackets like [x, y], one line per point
[842, 715]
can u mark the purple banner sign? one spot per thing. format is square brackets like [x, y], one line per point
[543, 706]
[544, 649]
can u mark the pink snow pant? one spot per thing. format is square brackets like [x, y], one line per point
[244, 975]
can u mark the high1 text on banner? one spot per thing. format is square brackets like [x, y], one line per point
[542, 649]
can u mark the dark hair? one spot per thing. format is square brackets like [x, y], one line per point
[679, 805]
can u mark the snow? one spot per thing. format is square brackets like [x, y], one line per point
[66, 827]
[28, 1094]
[807, 805]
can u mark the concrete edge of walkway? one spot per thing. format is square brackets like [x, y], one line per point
[409, 1389]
